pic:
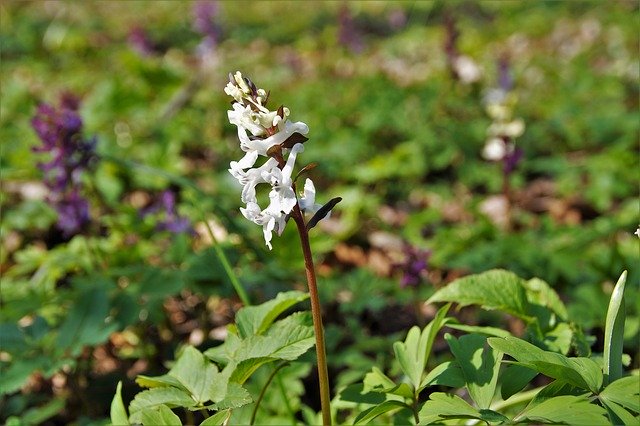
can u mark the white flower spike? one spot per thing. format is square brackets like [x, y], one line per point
[259, 130]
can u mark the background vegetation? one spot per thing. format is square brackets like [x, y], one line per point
[397, 130]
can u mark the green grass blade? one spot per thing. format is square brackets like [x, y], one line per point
[614, 331]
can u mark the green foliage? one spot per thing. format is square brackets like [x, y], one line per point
[578, 393]
[398, 138]
[196, 383]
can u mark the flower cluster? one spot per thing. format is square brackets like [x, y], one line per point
[60, 130]
[501, 134]
[270, 134]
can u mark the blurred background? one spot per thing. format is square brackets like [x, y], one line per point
[462, 136]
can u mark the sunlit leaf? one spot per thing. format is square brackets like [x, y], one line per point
[479, 364]
[118, 413]
[568, 409]
[495, 289]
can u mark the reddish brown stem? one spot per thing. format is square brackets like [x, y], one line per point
[316, 313]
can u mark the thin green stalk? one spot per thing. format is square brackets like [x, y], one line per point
[287, 405]
[222, 257]
[516, 399]
[264, 391]
[316, 313]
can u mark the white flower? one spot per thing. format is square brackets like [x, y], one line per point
[495, 149]
[244, 117]
[467, 69]
[308, 200]
[511, 129]
[252, 177]
[282, 196]
[263, 145]
[260, 129]
[269, 221]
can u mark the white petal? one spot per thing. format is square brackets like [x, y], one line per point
[494, 150]
[308, 200]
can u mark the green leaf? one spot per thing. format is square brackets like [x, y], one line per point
[373, 412]
[567, 409]
[357, 393]
[614, 332]
[256, 319]
[446, 374]
[199, 376]
[14, 375]
[442, 406]
[38, 415]
[118, 412]
[159, 381]
[286, 339]
[218, 419]
[559, 339]
[618, 415]
[237, 396]
[479, 365]
[541, 293]
[555, 389]
[406, 354]
[85, 325]
[377, 381]
[413, 353]
[160, 415]
[490, 331]
[625, 391]
[169, 396]
[581, 372]
[495, 289]
[514, 378]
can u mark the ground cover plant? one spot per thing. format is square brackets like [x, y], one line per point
[460, 177]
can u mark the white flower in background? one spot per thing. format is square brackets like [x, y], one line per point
[259, 130]
[504, 129]
[494, 150]
[467, 69]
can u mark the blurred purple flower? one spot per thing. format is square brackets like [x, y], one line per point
[511, 160]
[505, 81]
[170, 221]
[73, 213]
[204, 22]
[60, 130]
[349, 34]
[140, 41]
[414, 265]
[397, 19]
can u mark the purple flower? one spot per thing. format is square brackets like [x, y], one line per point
[60, 130]
[349, 34]
[165, 207]
[414, 265]
[505, 81]
[511, 160]
[73, 213]
[140, 41]
[204, 14]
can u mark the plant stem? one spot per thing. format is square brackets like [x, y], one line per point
[264, 390]
[316, 313]
[287, 404]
